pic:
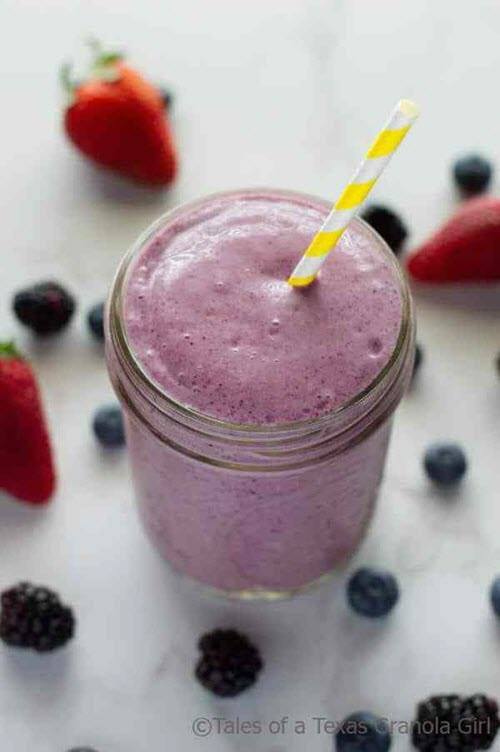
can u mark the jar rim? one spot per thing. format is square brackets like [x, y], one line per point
[159, 396]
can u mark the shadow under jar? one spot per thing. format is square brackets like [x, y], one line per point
[262, 496]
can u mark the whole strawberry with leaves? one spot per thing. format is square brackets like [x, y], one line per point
[117, 119]
[26, 464]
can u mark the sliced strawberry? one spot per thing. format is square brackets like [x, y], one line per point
[26, 465]
[466, 248]
[118, 120]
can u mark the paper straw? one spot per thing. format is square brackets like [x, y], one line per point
[376, 158]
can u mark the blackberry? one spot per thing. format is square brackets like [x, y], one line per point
[472, 174]
[46, 307]
[372, 592]
[81, 749]
[229, 663]
[95, 321]
[34, 617]
[480, 720]
[450, 723]
[363, 732]
[388, 225]
[435, 724]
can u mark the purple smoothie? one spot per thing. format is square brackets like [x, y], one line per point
[214, 326]
[213, 321]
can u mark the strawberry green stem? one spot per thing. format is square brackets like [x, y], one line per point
[67, 82]
[8, 350]
[104, 63]
[95, 46]
[103, 67]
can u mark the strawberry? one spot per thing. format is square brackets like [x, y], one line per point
[466, 248]
[118, 120]
[26, 466]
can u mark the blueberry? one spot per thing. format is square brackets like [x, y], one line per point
[388, 224]
[108, 426]
[82, 749]
[495, 595]
[445, 464]
[363, 732]
[472, 174]
[95, 321]
[419, 354]
[372, 592]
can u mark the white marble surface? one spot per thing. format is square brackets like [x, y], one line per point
[280, 93]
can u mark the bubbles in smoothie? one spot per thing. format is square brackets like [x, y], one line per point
[274, 326]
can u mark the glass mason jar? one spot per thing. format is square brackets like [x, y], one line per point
[254, 511]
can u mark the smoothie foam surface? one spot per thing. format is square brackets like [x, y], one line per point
[212, 320]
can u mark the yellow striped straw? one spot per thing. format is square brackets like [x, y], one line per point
[376, 158]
